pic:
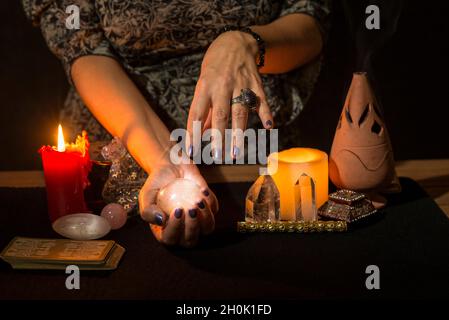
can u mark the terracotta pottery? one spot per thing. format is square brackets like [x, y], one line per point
[361, 158]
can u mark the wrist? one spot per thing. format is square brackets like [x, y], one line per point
[246, 41]
[161, 160]
[154, 158]
[251, 44]
[160, 163]
[251, 41]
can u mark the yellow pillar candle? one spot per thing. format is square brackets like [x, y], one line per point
[291, 170]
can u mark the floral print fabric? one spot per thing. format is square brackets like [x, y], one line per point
[161, 45]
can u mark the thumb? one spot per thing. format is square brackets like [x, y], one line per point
[154, 215]
[149, 211]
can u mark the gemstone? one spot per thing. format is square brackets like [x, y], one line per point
[82, 226]
[249, 98]
[262, 201]
[297, 199]
[115, 214]
[305, 198]
[180, 193]
[114, 151]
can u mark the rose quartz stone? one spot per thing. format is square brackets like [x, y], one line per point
[180, 193]
[115, 214]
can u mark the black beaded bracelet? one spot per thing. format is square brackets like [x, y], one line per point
[259, 40]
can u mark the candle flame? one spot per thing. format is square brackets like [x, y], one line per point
[61, 142]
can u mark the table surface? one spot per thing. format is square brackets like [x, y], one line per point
[409, 242]
[431, 174]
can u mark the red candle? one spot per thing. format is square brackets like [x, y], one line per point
[65, 169]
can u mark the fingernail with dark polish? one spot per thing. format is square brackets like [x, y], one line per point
[235, 151]
[206, 192]
[201, 204]
[158, 219]
[192, 213]
[269, 123]
[178, 213]
[190, 152]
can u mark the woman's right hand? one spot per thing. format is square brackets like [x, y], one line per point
[183, 226]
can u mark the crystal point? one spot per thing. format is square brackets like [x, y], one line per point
[262, 201]
[307, 198]
[297, 199]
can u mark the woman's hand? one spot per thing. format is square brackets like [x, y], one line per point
[229, 66]
[183, 226]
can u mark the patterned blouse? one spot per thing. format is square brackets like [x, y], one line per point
[161, 43]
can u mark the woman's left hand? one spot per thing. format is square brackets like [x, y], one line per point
[228, 66]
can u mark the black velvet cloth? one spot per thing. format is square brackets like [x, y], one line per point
[409, 243]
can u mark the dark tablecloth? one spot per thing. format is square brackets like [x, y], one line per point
[409, 244]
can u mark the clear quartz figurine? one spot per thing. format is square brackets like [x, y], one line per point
[262, 201]
[126, 177]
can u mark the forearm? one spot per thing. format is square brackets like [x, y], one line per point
[291, 41]
[119, 106]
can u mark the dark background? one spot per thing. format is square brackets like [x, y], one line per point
[410, 72]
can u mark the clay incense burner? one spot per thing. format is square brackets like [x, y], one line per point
[361, 157]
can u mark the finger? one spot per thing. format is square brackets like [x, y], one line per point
[157, 232]
[211, 200]
[220, 116]
[172, 232]
[154, 215]
[263, 110]
[191, 228]
[148, 209]
[206, 218]
[210, 197]
[198, 113]
[239, 121]
[148, 194]
[208, 121]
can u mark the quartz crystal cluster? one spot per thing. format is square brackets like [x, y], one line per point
[126, 178]
[263, 200]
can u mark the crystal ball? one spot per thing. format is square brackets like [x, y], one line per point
[180, 193]
[115, 214]
[82, 226]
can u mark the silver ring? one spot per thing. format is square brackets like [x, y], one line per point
[247, 98]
